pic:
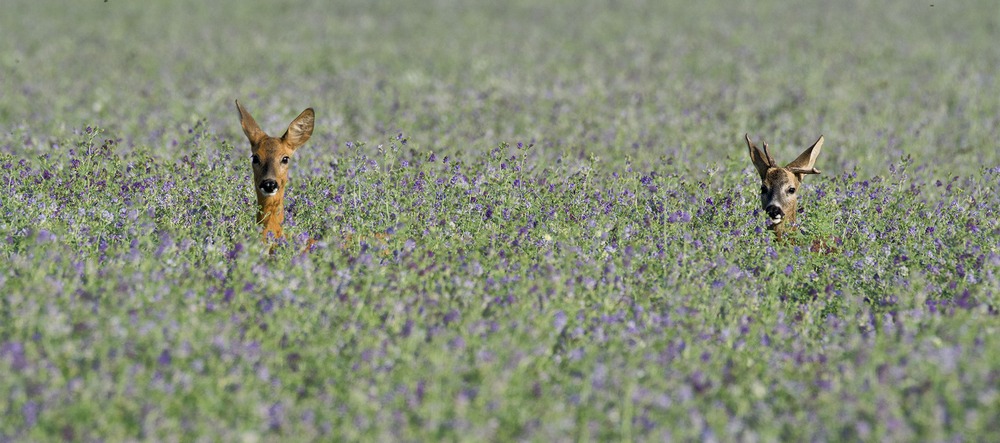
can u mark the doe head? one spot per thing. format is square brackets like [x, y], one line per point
[780, 184]
[270, 155]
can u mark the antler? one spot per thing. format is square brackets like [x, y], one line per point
[767, 154]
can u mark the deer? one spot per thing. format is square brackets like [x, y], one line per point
[779, 188]
[269, 159]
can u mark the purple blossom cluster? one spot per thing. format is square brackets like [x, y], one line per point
[466, 297]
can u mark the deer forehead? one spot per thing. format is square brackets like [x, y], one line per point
[272, 148]
[779, 177]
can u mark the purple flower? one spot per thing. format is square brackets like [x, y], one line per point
[276, 415]
[30, 412]
[699, 382]
[451, 316]
[235, 252]
[13, 351]
[407, 328]
[265, 305]
[560, 320]
[45, 236]
[164, 359]
[421, 389]
[965, 300]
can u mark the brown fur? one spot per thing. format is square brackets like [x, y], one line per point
[270, 158]
[780, 184]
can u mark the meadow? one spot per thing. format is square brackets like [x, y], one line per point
[538, 221]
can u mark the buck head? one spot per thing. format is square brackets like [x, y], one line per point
[269, 159]
[779, 188]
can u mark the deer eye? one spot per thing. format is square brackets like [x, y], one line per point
[255, 159]
[791, 190]
[284, 160]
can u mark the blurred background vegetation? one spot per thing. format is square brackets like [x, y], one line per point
[668, 84]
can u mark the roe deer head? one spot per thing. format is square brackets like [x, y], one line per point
[780, 185]
[269, 158]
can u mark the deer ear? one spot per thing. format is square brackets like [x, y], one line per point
[806, 162]
[760, 160]
[300, 129]
[250, 128]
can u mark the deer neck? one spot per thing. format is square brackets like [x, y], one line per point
[271, 213]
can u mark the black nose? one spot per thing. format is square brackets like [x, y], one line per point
[774, 211]
[268, 186]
